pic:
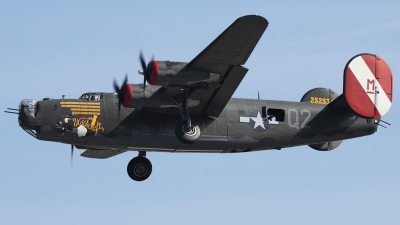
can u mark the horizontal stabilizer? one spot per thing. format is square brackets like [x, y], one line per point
[368, 85]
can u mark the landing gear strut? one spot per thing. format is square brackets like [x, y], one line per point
[139, 168]
[186, 132]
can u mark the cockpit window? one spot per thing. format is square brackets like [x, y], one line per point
[96, 97]
[84, 96]
[92, 96]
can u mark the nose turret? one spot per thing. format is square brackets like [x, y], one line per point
[28, 109]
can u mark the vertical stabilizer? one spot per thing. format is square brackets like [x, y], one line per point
[368, 85]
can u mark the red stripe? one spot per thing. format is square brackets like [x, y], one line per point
[356, 97]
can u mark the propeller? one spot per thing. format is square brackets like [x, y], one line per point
[146, 70]
[121, 91]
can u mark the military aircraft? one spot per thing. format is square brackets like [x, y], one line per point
[187, 107]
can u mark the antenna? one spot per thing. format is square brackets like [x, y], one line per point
[63, 96]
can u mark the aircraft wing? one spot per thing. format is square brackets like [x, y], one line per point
[233, 47]
[224, 56]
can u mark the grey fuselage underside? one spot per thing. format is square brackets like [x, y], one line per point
[235, 130]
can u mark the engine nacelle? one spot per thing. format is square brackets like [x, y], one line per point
[321, 96]
[135, 97]
[165, 73]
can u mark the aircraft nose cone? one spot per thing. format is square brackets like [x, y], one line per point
[27, 114]
[27, 117]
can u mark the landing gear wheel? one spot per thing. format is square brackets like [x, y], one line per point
[187, 135]
[139, 168]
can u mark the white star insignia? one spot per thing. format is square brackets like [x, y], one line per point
[259, 122]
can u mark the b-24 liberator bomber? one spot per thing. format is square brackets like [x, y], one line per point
[187, 107]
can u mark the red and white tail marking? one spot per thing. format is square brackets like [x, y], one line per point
[368, 85]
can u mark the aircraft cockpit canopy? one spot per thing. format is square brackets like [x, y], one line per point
[92, 96]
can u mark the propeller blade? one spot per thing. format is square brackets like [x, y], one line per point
[116, 88]
[121, 91]
[144, 68]
[142, 62]
[146, 72]
[125, 80]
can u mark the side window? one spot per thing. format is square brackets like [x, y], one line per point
[276, 115]
[55, 108]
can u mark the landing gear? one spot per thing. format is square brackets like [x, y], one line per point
[185, 131]
[187, 134]
[139, 168]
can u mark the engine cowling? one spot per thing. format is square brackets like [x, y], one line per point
[321, 96]
[149, 98]
[165, 73]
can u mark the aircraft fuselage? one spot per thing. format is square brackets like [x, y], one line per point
[240, 127]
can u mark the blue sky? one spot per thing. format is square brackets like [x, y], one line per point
[49, 49]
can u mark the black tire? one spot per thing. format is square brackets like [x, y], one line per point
[139, 168]
[187, 136]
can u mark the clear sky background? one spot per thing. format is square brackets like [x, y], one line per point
[48, 49]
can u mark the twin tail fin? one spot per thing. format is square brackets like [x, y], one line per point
[368, 86]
